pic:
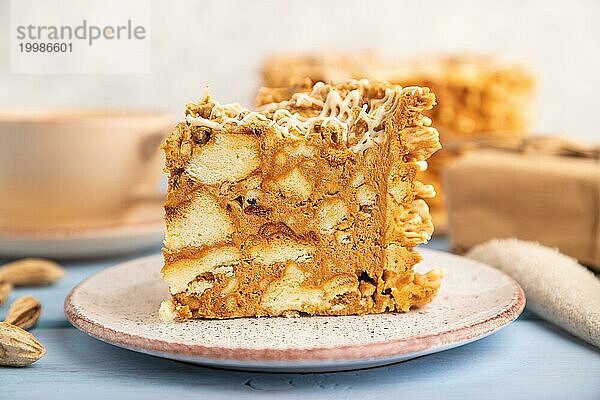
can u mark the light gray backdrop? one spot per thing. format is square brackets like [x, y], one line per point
[222, 43]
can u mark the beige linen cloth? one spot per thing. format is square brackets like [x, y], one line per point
[556, 286]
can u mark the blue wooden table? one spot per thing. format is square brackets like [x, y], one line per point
[529, 359]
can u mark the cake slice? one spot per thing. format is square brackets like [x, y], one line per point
[308, 205]
[480, 97]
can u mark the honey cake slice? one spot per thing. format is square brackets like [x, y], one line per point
[308, 205]
[480, 97]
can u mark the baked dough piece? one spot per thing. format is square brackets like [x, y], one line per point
[308, 205]
[479, 97]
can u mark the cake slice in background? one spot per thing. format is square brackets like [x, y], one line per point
[308, 205]
[479, 97]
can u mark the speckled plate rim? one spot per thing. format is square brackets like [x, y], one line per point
[396, 349]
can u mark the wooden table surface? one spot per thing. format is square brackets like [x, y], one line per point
[529, 359]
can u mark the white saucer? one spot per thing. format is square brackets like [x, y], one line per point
[119, 306]
[142, 228]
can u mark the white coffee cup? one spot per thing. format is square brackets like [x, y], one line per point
[76, 167]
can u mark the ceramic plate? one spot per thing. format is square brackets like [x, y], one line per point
[119, 306]
[141, 228]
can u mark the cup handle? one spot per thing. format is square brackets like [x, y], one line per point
[150, 155]
[149, 145]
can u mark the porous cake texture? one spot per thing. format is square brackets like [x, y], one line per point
[307, 205]
[479, 97]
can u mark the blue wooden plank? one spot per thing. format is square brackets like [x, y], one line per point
[527, 360]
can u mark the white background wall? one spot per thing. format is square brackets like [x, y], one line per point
[222, 43]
